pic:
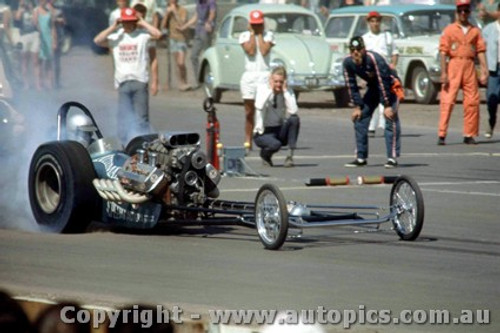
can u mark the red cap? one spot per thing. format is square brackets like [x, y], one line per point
[373, 14]
[128, 14]
[256, 17]
[462, 3]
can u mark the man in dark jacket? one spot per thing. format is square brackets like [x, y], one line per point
[372, 68]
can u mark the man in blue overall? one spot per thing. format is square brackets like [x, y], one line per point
[379, 78]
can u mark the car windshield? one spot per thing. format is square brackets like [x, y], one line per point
[292, 23]
[339, 27]
[426, 22]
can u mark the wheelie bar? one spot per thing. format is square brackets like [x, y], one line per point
[360, 180]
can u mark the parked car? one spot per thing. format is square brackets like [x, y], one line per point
[416, 30]
[300, 46]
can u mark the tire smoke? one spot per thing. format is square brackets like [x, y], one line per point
[25, 126]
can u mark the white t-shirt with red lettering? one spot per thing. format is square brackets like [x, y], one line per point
[130, 55]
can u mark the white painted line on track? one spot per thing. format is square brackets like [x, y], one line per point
[436, 154]
[33, 299]
[301, 188]
[463, 192]
[471, 154]
[478, 182]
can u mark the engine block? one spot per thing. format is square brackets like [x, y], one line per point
[171, 168]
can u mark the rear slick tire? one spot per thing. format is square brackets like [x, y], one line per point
[62, 197]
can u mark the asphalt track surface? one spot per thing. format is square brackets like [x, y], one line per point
[453, 266]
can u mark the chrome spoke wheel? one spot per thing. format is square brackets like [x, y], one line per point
[268, 217]
[405, 202]
[271, 216]
[407, 206]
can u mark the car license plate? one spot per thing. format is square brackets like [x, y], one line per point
[312, 81]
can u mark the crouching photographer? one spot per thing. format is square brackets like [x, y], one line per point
[276, 121]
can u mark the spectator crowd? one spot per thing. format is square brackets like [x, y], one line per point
[35, 29]
[135, 28]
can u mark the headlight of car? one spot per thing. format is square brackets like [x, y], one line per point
[290, 68]
[435, 68]
[336, 66]
[437, 57]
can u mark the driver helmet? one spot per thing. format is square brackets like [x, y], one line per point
[81, 128]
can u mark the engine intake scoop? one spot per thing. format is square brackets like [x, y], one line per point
[180, 139]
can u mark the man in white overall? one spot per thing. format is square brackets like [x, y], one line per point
[381, 42]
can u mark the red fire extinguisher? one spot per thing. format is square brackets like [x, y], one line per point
[213, 130]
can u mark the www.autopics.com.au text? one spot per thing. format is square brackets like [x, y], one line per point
[146, 317]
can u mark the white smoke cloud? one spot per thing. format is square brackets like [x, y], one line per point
[38, 126]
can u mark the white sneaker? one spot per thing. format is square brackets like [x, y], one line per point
[391, 163]
[289, 162]
[356, 163]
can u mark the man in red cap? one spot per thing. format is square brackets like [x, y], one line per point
[257, 44]
[128, 39]
[461, 42]
[381, 42]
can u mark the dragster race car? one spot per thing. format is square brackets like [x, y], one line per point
[166, 178]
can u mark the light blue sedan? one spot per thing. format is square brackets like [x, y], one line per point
[416, 30]
[300, 46]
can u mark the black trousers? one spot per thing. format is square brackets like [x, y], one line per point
[276, 137]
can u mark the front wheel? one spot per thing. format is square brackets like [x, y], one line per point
[271, 216]
[407, 204]
[61, 193]
[424, 89]
[208, 85]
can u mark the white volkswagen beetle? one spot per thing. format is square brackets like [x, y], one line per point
[300, 46]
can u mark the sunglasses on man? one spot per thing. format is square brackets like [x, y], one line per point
[355, 48]
[463, 10]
